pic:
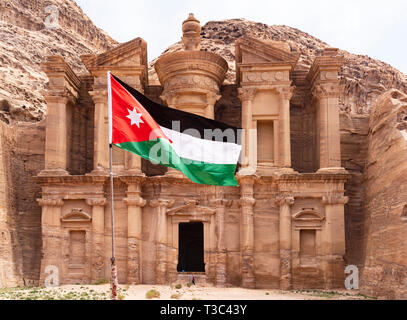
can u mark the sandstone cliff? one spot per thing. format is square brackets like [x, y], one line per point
[385, 271]
[29, 31]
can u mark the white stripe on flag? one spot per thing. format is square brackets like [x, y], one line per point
[192, 148]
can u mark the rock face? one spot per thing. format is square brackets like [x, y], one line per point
[29, 31]
[385, 271]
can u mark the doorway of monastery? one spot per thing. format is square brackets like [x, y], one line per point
[191, 247]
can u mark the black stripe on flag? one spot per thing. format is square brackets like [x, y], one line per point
[164, 116]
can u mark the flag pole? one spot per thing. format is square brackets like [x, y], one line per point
[113, 281]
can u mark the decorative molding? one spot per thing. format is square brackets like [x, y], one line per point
[221, 202]
[308, 215]
[162, 203]
[335, 198]
[136, 201]
[286, 92]
[96, 202]
[191, 204]
[76, 215]
[247, 93]
[247, 202]
[285, 200]
[50, 202]
[326, 90]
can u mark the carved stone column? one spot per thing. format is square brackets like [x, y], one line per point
[249, 156]
[284, 156]
[161, 239]
[51, 236]
[98, 238]
[211, 99]
[333, 245]
[135, 203]
[56, 156]
[327, 96]
[285, 242]
[221, 256]
[246, 203]
[101, 147]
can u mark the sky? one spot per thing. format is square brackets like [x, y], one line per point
[369, 27]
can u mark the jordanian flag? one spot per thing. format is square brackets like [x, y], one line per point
[204, 150]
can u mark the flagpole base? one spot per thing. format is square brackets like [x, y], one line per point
[113, 281]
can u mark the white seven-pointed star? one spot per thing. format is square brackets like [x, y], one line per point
[135, 117]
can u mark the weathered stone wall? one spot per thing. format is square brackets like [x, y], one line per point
[27, 162]
[385, 253]
[354, 131]
[21, 157]
[10, 257]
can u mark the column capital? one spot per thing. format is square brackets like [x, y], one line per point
[325, 90]
[162, 203]
[212, 98]
[169, 97]
[247, 93]
[285, 92]
[247, 202]
[136, 201]
[335, 198]
[93, 202]
[221, 202]
[99, 96]
[285, 200]
[62, 98]
[50, 202]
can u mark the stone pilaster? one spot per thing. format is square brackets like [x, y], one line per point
[161, 239]
[56, 153]
[327, 96]
[135, 203]
[249, 155]
[246, 203]
[284, 154]
[285, 202]
[98, 241]
[51, 235]
[101, 135]
[221, 256]
[324, 80]
[334, 239]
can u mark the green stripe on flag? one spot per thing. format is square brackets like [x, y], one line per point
[160, 151]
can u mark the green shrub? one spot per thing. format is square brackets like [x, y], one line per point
[152, 294]
[178, 286]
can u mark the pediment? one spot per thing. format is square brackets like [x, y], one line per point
[255, 51]
[76, 215]
[129, 54]
[191, 207]
[308, 215]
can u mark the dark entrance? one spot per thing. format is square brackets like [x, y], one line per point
[191, 247]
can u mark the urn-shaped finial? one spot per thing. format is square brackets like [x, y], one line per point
[191, 29]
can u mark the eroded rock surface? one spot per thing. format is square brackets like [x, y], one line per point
[385, 271]
[28, 34]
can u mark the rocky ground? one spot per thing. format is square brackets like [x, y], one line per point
[174, 292]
